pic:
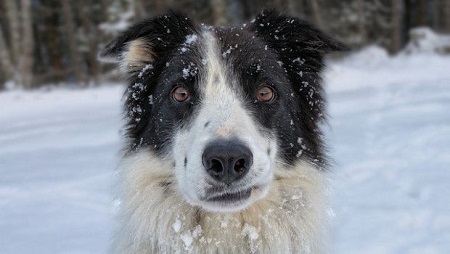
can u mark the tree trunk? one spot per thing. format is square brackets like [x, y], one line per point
[14, 36]
[445, 15]
[362, 22]
[397, 22]
[5, 59]
[72, 40]
[316, 13]
[27, 45]
[92, 34]
[139, 10]
[53, 39]
[422, 12]
[219, 8]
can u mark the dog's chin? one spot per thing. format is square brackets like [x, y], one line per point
[233, 201]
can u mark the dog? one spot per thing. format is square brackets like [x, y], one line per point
[224, 150]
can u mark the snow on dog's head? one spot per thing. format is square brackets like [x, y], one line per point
[224, 105]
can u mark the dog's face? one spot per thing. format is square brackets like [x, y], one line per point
[224, 105]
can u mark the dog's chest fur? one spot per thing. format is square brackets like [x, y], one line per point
[155, 218]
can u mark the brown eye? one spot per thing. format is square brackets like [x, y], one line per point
[180, 93]
[265, 93]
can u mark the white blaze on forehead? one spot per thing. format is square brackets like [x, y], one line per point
[221, 100]
[217, 79]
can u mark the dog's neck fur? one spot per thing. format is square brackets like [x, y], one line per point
[156, 219]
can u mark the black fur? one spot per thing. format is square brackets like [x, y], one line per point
[283, 52]
[150, 117]
[300, 48]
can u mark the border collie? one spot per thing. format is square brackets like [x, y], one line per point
[224, 150]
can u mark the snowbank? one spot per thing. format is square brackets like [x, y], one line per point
[370, 56]
[425, 40]
[373, 67]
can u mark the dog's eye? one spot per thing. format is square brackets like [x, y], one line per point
[265, 93]
[180, 93]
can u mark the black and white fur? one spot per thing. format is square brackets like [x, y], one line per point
[169, 203]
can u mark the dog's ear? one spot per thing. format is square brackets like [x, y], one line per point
[293, 36]
[142, 43]
[300, 48]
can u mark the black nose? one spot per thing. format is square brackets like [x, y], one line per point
[227, 161]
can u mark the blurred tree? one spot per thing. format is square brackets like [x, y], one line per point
[445, 16]
[21, 42]
[5, 58]
[236, 12]
[71, 39]
[219, 9]
[89, 35]
[315, 11]
[50, 45]
[14, 36]
[26, 59]
[6, 70]
[362, 30]
[397, 25]
[52, 41]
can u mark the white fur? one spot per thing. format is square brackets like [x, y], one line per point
[222, 107]
[154, 219]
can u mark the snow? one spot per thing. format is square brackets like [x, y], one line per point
[250, 231]
[389, 137]
[228, 51]
[425, 40]
[190, 71]
[187, 239]
[144, 71]
[369, 57]
[176, 225]
[189, 236]
[191, 38]
[58, 154]
[186, 72]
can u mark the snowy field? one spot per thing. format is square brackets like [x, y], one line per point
[389, 136]
[390, 139]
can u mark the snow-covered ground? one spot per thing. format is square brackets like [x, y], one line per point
[389, 136]
[58, 152]
[390, 139]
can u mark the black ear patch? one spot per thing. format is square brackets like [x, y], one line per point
[284, 32]
[143, 43]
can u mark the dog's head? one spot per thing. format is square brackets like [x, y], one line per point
[224, 105]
